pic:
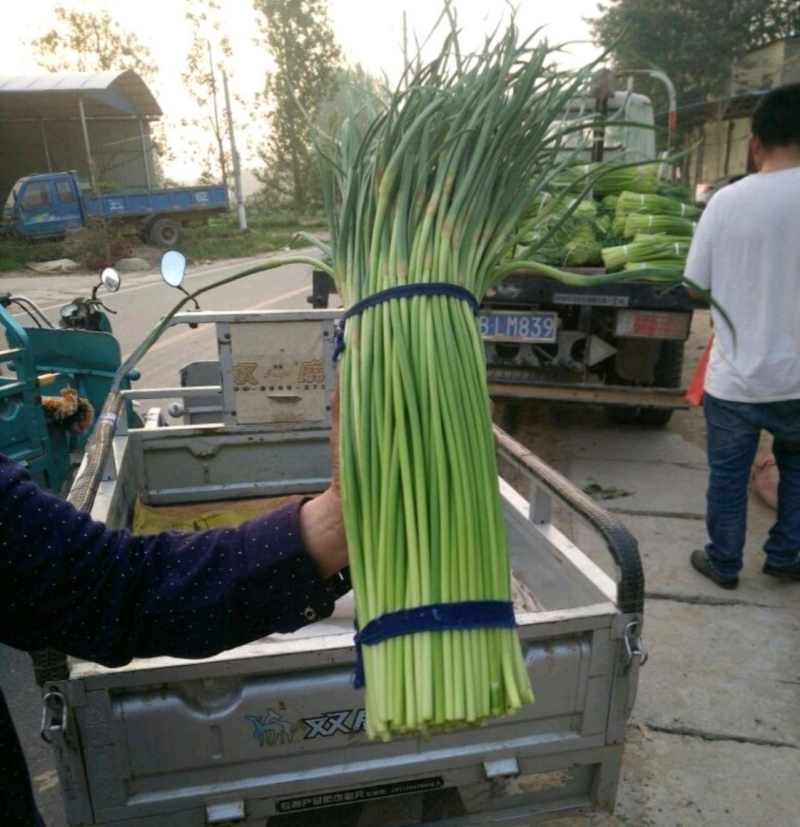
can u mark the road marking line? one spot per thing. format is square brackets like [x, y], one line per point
[189, 332]
[211, 270]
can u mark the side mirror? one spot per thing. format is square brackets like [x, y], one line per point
[110, 279]
[173, 268]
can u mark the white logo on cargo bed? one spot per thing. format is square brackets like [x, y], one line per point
[335, 723]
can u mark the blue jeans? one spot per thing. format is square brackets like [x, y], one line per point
[734, 429]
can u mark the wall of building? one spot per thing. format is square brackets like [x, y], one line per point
[791, 64]
[760, 69]
[116, 149]
[716, 136]
[768, 67]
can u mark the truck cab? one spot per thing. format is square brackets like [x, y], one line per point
[44, 205]
[633, 136]
[51, 204]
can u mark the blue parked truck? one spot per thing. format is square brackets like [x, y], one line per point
[51, 204]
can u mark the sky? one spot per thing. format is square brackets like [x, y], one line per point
[370, 32]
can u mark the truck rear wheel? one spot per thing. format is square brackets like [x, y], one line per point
[669, 373]
[165, 232]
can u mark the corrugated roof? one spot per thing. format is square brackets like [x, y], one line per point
[56, 95]
[737, 106]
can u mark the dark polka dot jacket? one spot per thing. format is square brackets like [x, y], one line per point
[68, 583]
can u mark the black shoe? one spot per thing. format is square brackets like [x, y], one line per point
[701, 562]
[790, 572]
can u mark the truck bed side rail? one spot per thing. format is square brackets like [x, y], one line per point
[549, 483]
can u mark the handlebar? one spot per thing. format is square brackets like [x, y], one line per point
[28, 305]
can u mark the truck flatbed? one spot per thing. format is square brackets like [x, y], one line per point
[273, 731]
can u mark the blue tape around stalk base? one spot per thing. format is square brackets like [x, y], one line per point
[438, 617]
[403, 291]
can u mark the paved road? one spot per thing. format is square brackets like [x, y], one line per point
[143, 299]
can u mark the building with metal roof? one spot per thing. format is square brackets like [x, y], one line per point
[720, 128]
[97, 123]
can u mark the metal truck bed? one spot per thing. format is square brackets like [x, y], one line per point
[272, 732]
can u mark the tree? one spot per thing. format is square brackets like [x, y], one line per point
[300, 40]
[694, 41]
[208, 58]
[85, 41]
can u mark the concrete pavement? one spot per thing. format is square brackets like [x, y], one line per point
[715, 735]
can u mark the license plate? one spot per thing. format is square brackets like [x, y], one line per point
[501, 326]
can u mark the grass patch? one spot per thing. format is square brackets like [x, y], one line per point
[9, 263]
[15, 254]
[266, 233]
[223, 239]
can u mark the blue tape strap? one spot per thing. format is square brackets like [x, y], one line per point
[438, 617]
[403, 291]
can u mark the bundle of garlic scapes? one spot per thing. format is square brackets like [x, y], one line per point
[424, 195]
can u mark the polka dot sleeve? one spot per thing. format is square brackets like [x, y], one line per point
[69, 583]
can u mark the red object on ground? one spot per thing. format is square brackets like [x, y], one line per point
[765, 478]
[694, 393]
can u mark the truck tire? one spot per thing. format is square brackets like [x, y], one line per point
[621, 414]
[166, 232]
[668, 374]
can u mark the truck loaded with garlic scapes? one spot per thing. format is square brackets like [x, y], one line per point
[621, 344]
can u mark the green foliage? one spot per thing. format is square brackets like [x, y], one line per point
[560, 241]
[677, 191]
[99, 244]
[223, 239]
[298, 36]
[9, 262]
[85, 41]
[208, 57]
[16, 253]
[694, 41]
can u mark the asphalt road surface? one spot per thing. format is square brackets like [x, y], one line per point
[143, 299]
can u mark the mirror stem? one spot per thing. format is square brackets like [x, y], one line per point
[187, 293]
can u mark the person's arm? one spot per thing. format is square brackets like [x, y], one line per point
[699, 262]
[68, 583]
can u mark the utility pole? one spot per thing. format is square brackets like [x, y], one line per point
[237, 169]
[89, 159]
[216, 124]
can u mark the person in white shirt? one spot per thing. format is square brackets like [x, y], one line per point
[746, 251]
